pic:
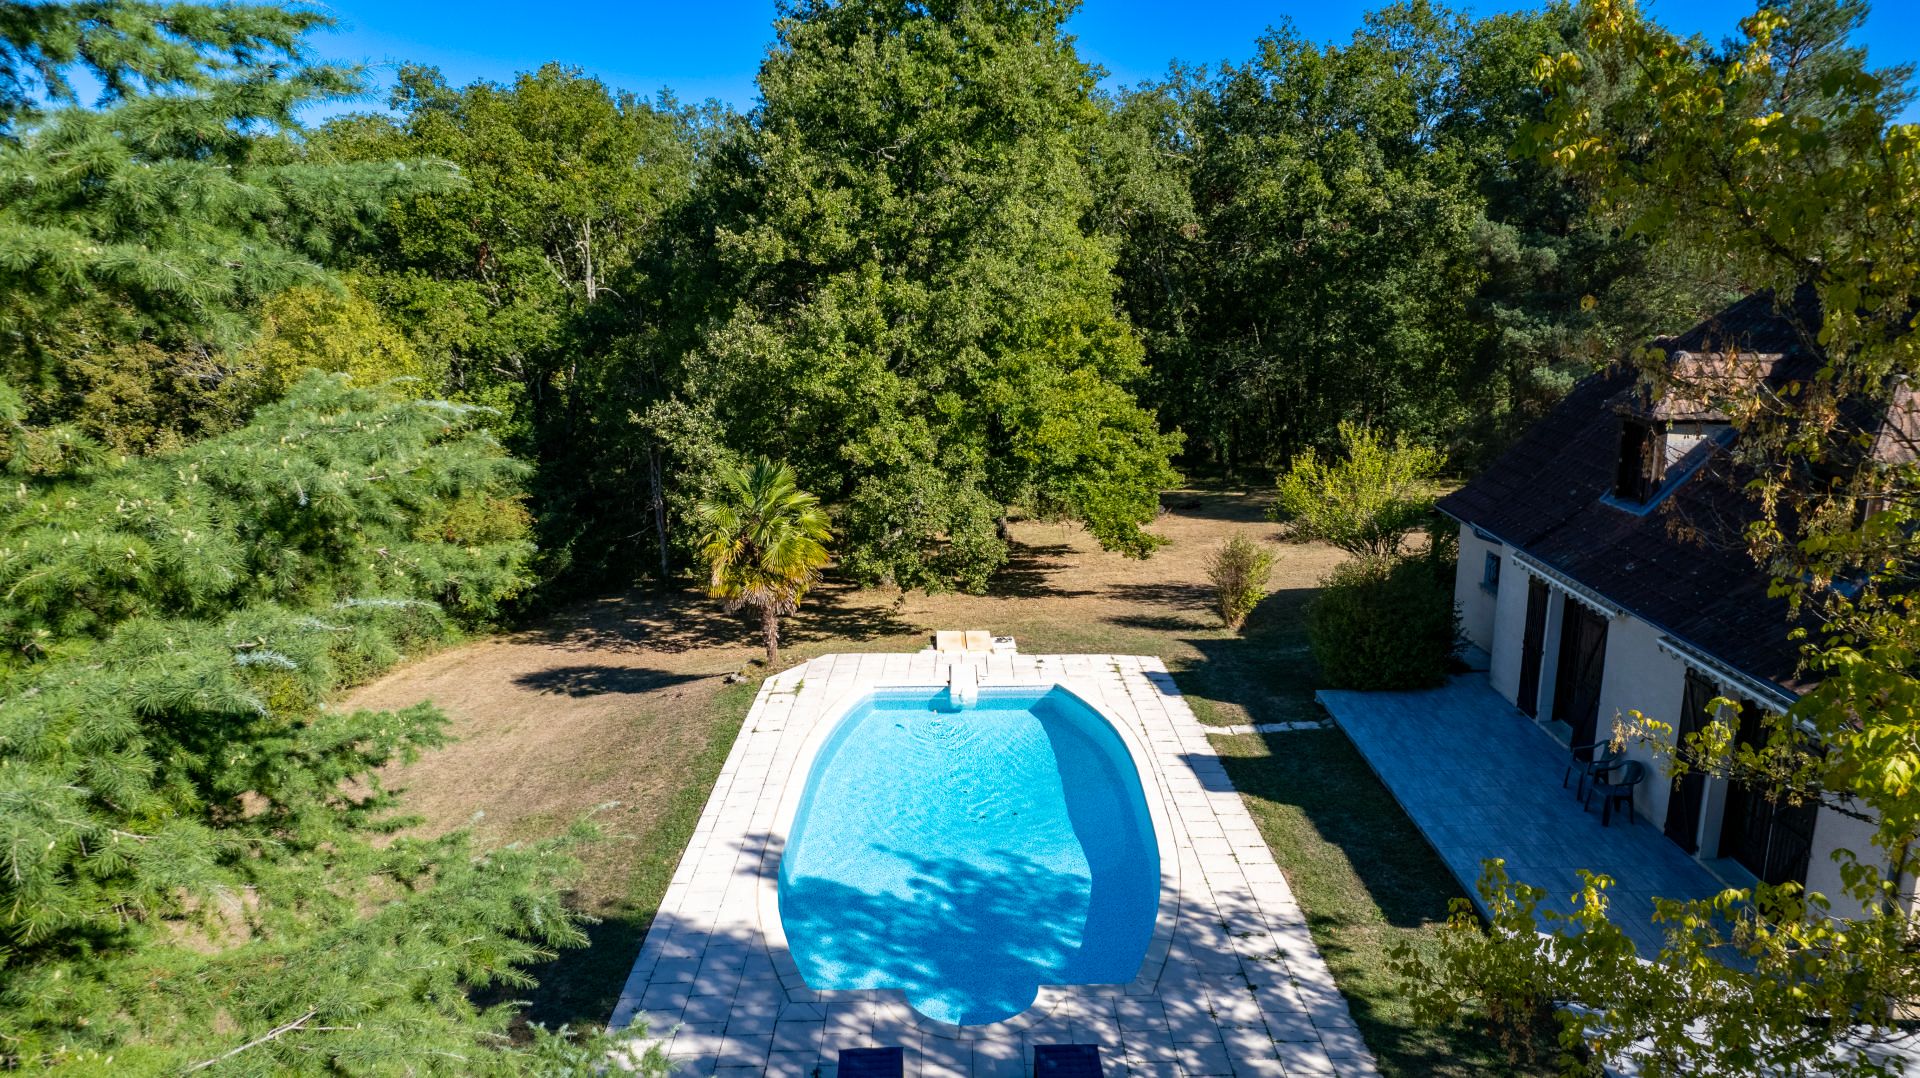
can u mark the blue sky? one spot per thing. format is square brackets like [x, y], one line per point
[712, 49]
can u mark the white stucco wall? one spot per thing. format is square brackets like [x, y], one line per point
[1832, 831]
[1475, 603]
[1509, 629]
[1638, 676]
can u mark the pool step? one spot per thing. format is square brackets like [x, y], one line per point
[963, 684]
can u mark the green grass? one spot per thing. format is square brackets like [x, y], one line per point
[580, 987]
[1367, 881]
[1365, 877]
[1363, 873]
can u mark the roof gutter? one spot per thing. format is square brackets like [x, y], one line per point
[1726, 674]
[1572, 588]
[1729, 677]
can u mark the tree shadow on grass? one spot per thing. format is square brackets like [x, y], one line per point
[1266, 670]
[668, 620]
[599, 679]
[1364, 873]
[1248, 506]
[1160, 623]
[838, 610]
[1029, 572]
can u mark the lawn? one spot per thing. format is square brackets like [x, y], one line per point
[621, 704]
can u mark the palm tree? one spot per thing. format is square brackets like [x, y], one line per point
[763, 544]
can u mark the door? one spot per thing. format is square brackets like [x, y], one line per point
[1576, 683]
[1532, 644]
[1773, 840]
[1683, 808]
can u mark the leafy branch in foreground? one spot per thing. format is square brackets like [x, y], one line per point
[1776, 157]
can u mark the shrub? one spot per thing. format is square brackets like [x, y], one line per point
[1385, 622]
[1365, 504]
[1238, 568]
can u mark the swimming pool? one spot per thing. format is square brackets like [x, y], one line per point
[968, 857]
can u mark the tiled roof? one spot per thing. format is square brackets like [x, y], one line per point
[1681, 566]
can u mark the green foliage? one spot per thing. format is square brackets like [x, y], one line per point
[192, 858]
[903, 298]
[1239, 569]
[137, 395]
[531, 288]
[764, 544]
[1750, 972]
[319, 329]
[321, 497]
[1776, 156]
[1386, 622]
[1366, 503]
[138, 237]
[132, 48]
[1329, 233]
[184, 208]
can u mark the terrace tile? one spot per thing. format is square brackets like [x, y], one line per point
[728, 999]
[1499, 795]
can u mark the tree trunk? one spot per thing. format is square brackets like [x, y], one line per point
[658, 498]
[770, 630]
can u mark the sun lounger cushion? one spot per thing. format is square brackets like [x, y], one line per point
[872, 1062]
[1065, 1061]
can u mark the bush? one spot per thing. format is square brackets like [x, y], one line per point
[1384, 622]
[1365, 504]
[1238, 568]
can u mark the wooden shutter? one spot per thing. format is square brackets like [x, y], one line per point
[1683, 807]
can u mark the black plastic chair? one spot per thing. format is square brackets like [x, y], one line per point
[872, 1062]
[1066, 1061]
[1587, 760]
[1617, 790]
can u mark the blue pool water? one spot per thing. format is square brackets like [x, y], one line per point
[968, 857]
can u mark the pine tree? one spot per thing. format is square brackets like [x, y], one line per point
[191, 853]
[171, 207]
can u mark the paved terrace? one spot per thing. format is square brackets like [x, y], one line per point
[1232, 985]
[1481, 780]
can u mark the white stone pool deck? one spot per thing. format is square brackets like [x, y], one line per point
[1232, 985]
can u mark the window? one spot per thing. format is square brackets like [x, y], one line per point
[1642, 461]
[1490, 572]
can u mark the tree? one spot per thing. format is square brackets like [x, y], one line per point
[1365, 503]
[907, 271]
[1776, 155]
[764, 544]
[139, 236]
[529, 289]
[1387, 621]
[187, 196]
[197, 858]
[336, 330]
[1342, 232]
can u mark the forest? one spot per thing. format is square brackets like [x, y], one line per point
[285, 401]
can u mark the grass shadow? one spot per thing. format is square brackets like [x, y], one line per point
[1029, 573]
[595, 680]
[580, 987]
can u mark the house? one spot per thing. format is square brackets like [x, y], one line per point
[1603, 570]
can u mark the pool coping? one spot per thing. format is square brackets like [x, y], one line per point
[1050, 996]
[1239, 989]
